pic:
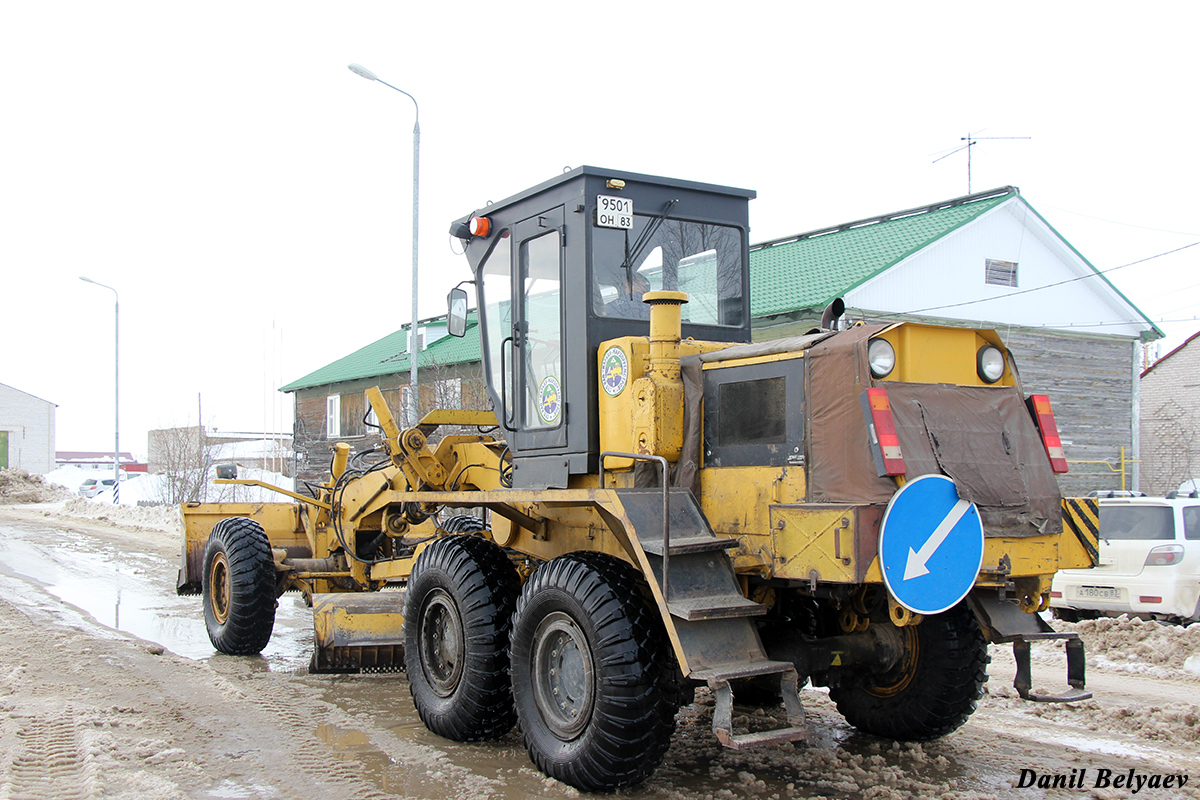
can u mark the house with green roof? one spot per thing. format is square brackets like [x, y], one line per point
[987, 260]
[330, 404]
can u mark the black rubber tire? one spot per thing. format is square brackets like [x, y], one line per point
[457, 614]
[1065, 614]
[238, 587]
[586, 631]
[931, 692]
[464, 523]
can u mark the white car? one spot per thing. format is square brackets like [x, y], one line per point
[1149, 563]
[94, 486]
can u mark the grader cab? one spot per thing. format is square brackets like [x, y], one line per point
[670, 506]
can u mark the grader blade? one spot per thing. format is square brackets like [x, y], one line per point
[358, 632]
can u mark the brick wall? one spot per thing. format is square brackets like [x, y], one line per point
[29, 423]
[1170, 416]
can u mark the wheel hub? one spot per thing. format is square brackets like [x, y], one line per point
[218, 588]
[563, 675]
[442, 643]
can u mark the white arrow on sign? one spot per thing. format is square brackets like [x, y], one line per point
[915, 567]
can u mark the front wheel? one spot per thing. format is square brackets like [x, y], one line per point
[456, 620]
[238, 587]
[593, 677]
[932, 689]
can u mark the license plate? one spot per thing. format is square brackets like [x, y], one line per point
[1099, 593]
[614, 212]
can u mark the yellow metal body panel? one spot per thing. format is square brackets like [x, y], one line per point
[825, 543]
[737, 500]
[1081, 533]
[617, 410]
[934, 354]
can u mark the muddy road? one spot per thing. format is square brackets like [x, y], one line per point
[110, 688]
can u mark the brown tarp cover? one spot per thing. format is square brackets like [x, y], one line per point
[981, 437]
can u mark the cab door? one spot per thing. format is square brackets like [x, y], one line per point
[538, 411]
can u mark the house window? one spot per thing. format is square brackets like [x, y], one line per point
[333, 416]
[1000, 273]
[371, 421]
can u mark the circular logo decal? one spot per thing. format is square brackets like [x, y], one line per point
[549, 399]
[614, 371]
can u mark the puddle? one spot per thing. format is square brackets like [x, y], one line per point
[135, 593]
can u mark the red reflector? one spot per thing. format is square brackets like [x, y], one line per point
[1056, 594]
[1043, 417]
[885, 443]
[1146, 599]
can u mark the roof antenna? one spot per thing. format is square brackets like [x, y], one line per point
[971, 141]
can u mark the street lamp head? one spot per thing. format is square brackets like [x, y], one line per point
[88, 280]
[362, 71]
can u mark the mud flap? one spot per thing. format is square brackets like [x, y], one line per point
[358, 632]
[1004, 622]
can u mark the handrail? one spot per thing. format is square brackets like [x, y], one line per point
[666, 484]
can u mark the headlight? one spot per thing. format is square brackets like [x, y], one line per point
[989, 363]
[881, 357]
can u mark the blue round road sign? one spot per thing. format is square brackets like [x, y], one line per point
[930, 545]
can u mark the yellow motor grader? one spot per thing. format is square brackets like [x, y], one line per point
[668, 505]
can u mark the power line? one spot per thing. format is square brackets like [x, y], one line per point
[1052, 285]
[1123, 224]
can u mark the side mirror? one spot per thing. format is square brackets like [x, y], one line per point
[456, 315]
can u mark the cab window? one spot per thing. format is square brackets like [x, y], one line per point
[676, 255]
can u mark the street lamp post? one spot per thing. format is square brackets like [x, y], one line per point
[116, 388]
[413, 345]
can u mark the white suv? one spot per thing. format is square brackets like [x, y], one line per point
[1149, 563]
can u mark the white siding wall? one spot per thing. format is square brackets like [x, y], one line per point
[951, 271]
[29, 422]
[1170, 419]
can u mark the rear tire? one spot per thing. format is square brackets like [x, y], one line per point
[593, 677]
[463, 523]
[457, 614]
[931, 691]
[238, 587]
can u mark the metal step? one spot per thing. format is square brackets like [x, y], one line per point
[681, 545]
[710, 615]
[722, 606]
[789, 682]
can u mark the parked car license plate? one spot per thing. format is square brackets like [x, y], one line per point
[1100, 592]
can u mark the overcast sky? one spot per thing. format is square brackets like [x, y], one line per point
[250, 198]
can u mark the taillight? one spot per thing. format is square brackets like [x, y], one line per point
[1043, 417]
[885, 444]
[1164, 555]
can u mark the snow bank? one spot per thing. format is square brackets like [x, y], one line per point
[1130, 644]
[143, 488]
[18, 486]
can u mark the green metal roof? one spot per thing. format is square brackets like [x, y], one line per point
[389, 355]
[810, 270]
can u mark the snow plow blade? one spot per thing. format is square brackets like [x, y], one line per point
[358, 632]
